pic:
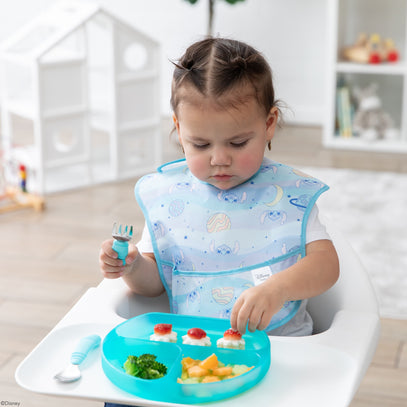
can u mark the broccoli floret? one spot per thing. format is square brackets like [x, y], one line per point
[144, 366]
[146, 359]
[130, 366]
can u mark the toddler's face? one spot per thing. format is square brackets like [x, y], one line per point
[224, 147]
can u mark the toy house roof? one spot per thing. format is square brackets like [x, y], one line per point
[51, 27]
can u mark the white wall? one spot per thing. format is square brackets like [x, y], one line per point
[290, 33]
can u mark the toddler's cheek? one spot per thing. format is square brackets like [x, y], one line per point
[249, 164]
[198, 168]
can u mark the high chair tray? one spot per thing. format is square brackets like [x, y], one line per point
[133, 338]
[305, 371]
[301, 373]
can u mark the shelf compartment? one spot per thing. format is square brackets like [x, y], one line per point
[390, 91]
[386, 18]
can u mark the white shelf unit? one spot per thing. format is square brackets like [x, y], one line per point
[346, 19]
[89, 85]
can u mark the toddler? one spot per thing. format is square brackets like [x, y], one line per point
[229, 233]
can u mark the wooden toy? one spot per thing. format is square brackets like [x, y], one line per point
[371, 50]
[13, 199]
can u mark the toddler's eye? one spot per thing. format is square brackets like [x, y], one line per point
[201, 146]
[240, 144]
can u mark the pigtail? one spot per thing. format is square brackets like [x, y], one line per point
[238, 62]
[193, 66]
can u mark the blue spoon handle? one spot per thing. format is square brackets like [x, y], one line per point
[122, 249]
[84, 346]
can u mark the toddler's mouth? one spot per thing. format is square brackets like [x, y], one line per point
[222, 177]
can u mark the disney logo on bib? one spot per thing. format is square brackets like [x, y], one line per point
[260, 275]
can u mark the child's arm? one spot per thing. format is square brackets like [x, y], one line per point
[311, 276]
[140, 272]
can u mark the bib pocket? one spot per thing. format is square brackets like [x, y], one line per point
[213, 294]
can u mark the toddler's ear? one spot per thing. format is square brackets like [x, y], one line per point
[271, 123]
[272, 118]
[176, 122]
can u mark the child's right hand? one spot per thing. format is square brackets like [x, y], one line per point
[110, 265]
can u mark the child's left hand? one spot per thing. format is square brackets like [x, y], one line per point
[256, 306]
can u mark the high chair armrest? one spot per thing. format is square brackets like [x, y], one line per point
[356, 334]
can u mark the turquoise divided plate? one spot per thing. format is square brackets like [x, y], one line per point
[132, 338]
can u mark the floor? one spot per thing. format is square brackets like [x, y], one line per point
[49, 259]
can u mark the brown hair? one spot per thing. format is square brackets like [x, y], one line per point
[215, 66]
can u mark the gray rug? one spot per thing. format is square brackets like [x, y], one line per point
[370, 209]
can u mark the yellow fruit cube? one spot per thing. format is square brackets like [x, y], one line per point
[188, 362]
[222, 371]
[210, 379]
[197, 371]
[210, 363]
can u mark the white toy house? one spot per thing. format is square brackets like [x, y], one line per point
[89, 85]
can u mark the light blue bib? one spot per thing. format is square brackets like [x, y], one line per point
[210, 245]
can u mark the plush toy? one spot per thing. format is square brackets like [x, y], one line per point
[371, 122]
[371, 50]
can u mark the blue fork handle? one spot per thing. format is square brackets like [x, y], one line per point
[84, 346]
[122, 249]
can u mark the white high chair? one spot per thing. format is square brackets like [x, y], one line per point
[324, 369]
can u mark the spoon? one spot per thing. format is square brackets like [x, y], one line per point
[71, 372]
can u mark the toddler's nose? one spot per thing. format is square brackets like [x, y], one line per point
[221, 157]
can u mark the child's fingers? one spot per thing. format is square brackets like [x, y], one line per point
[265, 320]
[240, 315]
[235, 313]
[109, 271]
[254, 319]
[251, 310]
[110, 256]
[107, 249]
[110, 265]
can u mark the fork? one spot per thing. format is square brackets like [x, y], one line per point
[121, 240]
